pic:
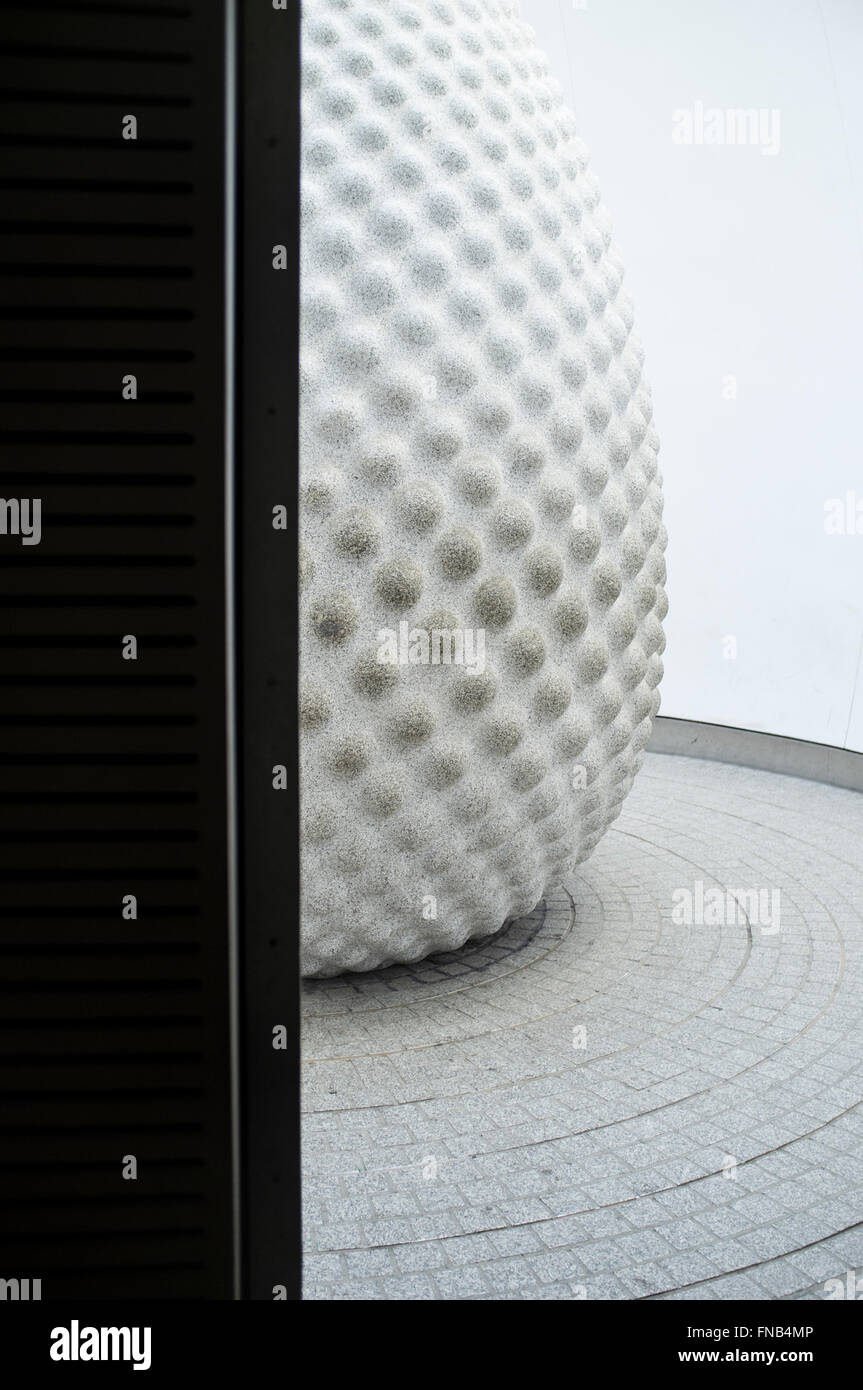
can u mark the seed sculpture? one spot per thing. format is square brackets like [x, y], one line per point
[481, 512]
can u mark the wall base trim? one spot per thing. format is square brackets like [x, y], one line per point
[819, 762]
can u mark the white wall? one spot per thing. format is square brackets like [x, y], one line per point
[745, 265]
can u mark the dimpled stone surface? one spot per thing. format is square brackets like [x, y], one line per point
[476, 452]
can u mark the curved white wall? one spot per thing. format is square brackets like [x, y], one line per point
[747, 273]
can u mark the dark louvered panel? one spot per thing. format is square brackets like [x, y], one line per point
[114, 1033]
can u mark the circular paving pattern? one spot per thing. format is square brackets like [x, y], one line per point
[648, 1088]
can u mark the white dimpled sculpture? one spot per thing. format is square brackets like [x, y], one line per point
[481, 514]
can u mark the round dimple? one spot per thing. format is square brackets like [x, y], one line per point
[349, 855]
[656, 677]
[374, 290]
[334, 618]
[597, 411]
[420, 507]
[473, 691]
[473, 800]
[495, 601]
[407, 834]
[430, 270]
[584, 539]
[399, 582]
[570, 615]
[512, 524]
[337, 102]
[650, 523]
[438, 44]
[557, 496]
[513, 294]
[535, 394]
[545, 801]
[416, 329]
[319, 153]
[445, 766]
[370, 137]
[341, 425]
[651, 637]
[397, 398]
[598, 351]
[452, 158]
[469, 309]
[616, 739]
[459, 553]
[497, 109]
[388, 93]
[464, 113]
[492, 416]
[349, 755]
[321, 33]
[528, 769]
[478, 251]
[566, 432]
[478, 480]
[605, 581]
[572, 735]
[485, 196]
[503, 732]
[373, 678]
[455, 374]
[553, 696]
[631, 667]
[440, 440]
[432, 83]
[621, 627]
[443, 210]
[355, 353]
[526, 652]
[606, 703]
[547, 275]
[613, 510]
[503, 351]
[356, 534]
[390, 226]
[413, 722]
[333, 248]
[591, 659]
[544, 332]
[315, 706]
[407, 16]
[592, 471]
[544, 570]
[407, 173]
[382, 462]
[633, 553]
[470, 76]
[654, 565]
[641, 702]
[383, 795]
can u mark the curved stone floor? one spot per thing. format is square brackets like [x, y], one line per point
[599, 1102]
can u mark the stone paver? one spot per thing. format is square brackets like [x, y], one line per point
[600, 1102]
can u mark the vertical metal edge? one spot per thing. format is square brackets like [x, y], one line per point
[230, 250]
